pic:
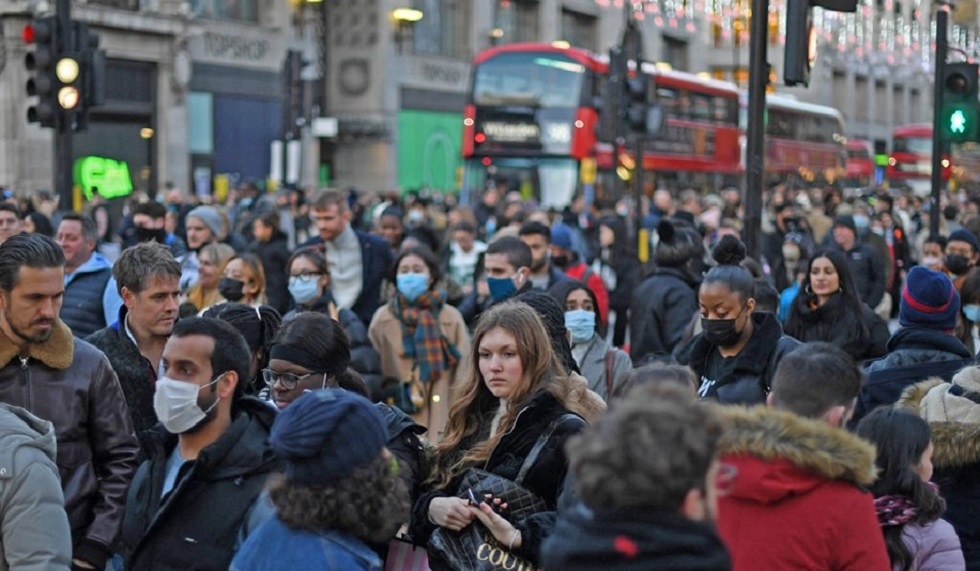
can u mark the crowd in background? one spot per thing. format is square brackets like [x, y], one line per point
[333, 379]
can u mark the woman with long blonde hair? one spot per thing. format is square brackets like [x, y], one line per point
[513, 391]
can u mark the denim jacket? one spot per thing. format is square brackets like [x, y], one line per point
[274, 546]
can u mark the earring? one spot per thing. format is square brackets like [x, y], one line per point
[807, 289]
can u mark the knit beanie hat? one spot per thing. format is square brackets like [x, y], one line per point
[325, 435]
[928, 300]
[209, 216]
[561, 236]
[847, 221]
[964, 235]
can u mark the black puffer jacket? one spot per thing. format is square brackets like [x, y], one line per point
[662, 308]
[274, 255]
[545, 478]
[363, 358]
[860, 333]
[751, 378]
[197, 525]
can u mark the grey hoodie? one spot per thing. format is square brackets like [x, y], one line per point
[34, 532]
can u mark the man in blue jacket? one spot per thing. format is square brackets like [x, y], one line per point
[91, 299]
[357, 260]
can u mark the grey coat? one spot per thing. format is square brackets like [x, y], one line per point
[593, 366]
[34, 531]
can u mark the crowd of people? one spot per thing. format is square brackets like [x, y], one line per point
[334, 380]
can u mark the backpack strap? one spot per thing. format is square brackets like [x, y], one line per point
[532, 456]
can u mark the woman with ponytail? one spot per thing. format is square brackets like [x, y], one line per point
[908, 504]
[737, 351]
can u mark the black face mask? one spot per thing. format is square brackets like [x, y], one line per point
[231, 289]
[957, 264]
[720, 332]
[147, 234]
[560, 261]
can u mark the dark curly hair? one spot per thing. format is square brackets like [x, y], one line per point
[371, 504]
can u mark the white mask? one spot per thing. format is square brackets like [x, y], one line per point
[175, 403]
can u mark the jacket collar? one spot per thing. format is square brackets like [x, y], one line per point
[56, 352]
[955, 443]
[754, 357]
[927, 339]
[808, 444]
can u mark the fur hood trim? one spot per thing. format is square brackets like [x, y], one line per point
[954, 444]
[812, 445]
[56, 352]
[574, 394]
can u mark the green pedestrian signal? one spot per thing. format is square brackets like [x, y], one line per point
[960, 106]
[957, 122]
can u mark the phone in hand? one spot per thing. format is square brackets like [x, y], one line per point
[472, 497]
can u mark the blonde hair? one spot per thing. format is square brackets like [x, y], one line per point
[474, 407]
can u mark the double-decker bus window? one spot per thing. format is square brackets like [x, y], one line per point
[535, 80]
[915, 145]
[700, 106]
[667, 98]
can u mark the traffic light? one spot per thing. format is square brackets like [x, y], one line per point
[637, 104]
[801, 43]
[41, 63]
[958, 122]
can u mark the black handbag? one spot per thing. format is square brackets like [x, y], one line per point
[474, 548]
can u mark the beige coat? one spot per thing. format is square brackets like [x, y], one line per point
[385, 332]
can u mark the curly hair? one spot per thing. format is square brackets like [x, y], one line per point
[371, 504]
[646, 453]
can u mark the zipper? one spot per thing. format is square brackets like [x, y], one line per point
[511, 429]
[25, 375]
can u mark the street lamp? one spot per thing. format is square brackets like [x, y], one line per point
[405, 19]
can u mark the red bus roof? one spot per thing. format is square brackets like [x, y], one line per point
[585, 57]
[915, 130]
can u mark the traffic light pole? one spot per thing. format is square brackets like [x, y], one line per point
[63, 132]
[756, 132]
[942, 25]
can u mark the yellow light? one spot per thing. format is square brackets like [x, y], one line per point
[68, 97]
[561, 44]
[892, 161]
[624, 173]
[497, 33]
[945, 163]
[410, 15]
[468, 122]
[66, 70]
[146, 132]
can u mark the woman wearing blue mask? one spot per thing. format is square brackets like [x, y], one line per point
[309, 286]
[604, 366]
[419, 338]
[968, 328]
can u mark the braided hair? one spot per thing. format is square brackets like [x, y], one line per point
[258, 325]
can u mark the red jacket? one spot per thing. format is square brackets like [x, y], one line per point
[594, 281]
[796, 503]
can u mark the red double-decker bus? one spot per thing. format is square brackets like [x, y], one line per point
[533, 115]
[860, 167]
[910, 162]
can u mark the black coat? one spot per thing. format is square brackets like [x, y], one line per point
[583, 541]
[662, 308]
[545, 478]
[755, 365]
[869, 272]
[859, 332]
[274, 255]
[197, 525]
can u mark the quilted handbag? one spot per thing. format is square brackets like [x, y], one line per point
[474, 548]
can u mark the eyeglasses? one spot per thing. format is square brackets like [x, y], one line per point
[306, 276]
[287, 380]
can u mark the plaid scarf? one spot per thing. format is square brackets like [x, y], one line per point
[422, 339]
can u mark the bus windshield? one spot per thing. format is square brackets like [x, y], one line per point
[529, 79]
[552, 182]
[914, 145]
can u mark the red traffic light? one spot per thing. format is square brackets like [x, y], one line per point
[27, 34]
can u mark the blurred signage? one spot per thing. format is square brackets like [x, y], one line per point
[110, 177]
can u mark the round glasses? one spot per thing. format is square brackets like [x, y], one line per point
[287, 380]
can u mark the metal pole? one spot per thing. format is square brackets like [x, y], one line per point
[942, 25]
[63, 132]
[756, 135]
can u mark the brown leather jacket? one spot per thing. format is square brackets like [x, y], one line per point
[70, 383]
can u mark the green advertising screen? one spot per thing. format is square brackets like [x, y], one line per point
[110, 176]
[429, 150]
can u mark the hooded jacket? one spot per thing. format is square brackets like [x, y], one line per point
[663, 305]
[798, 500]
[200, 522]
[34, 532]
[638, 540]
[955, 424]
[70, 383]
[755, 364]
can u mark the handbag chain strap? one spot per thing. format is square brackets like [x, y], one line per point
[532, 457]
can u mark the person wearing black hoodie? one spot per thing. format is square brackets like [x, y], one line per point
[272, 247]
[647, 475]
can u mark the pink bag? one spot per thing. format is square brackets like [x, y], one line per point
[404, 556]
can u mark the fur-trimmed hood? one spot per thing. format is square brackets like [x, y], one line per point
[574, 394]
[56, 352]
[954, 443]
[779, 454]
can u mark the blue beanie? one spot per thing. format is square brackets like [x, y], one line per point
[928, 300]
[964, 235]
[325, 435]
[561, 236]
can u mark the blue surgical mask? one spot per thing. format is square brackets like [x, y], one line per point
[501, 288]
[581, 324]
[304, 289]
[972, 312]
[862, 222]
[412, 285]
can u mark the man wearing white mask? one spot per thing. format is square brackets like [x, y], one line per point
[197, 496]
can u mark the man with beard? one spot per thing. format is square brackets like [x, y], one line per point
[646, 474]
[195, 499]
[799, 500]
[544, 274]
[70, 383]
[148, 277]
